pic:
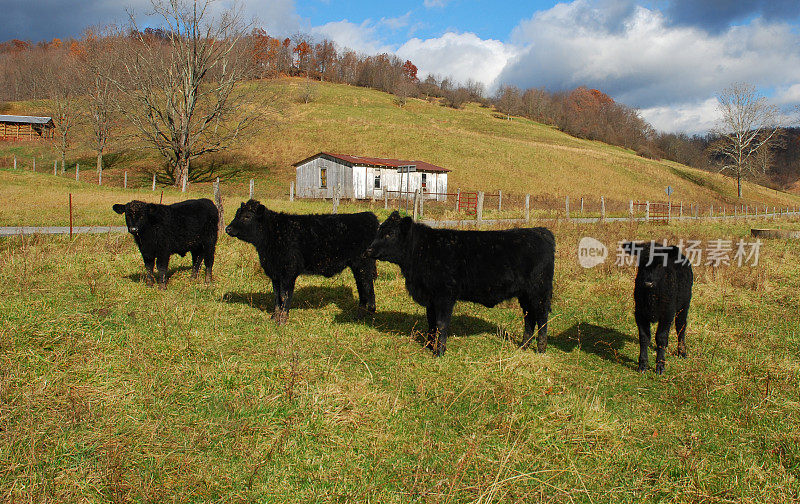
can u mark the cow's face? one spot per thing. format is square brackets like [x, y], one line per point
[245, 225]
[138, 215]
[651, 260]
[390, 242]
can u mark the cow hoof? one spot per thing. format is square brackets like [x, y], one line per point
[162, 286]
[642, 368]
[541, 349]
[660, 369]
[281, 318]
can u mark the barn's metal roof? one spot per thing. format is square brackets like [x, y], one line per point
[420, 166]
[25, 119]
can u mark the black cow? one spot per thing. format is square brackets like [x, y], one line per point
[662, 292]
[290, 245]
[163, 230]
[444, 265]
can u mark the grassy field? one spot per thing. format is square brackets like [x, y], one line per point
[484, 151]
[111, 391]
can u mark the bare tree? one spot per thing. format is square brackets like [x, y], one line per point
[181, 89]
[63, 89]
[508, 101]
[308, 91]
[748, 123]
[100, 92]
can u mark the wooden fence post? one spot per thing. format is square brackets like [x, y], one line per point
[55, 167]
[630, 210]
[291, 191]
[582, 204]
[15, 161]
[414, 213]
[218, 203]
[711, 211]
[34, 165]
[154, 181]
[527, 208]
[602, 208]
[566, 207]
[77, 171]
[385, 199]
[252, 188]
[480, 206]
[100, 177]
[125, 180]
[421, 203]
[647, 212]
[70, 216]
[499, 200]
[458, 198]
[681, 209]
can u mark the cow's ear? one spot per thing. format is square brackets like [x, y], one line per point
[120, 209]
[261, 211]
[641, 251]
[395, 215]
[405, 225]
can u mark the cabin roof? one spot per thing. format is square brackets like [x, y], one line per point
[26, 119]
[420, 166]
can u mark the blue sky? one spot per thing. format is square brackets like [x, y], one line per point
[667, 58]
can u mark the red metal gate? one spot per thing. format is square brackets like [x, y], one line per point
[468, 202]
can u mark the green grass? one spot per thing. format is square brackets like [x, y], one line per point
[111, 391]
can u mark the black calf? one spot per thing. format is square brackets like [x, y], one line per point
[290, 245]
[662, 293]
[162, 230]
[442, 266]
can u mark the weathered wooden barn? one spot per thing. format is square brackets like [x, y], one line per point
[26, 127]
[367, 177]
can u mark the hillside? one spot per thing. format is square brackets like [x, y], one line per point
[483, 150]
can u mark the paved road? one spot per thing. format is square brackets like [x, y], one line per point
[28, 230]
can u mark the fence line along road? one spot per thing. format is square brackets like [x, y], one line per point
[55, 230]
[594, 220]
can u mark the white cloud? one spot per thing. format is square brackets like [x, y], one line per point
[648, 62]
[461, 56]
[361, 38]
[691, 118]
[787, 95]
[429, 4]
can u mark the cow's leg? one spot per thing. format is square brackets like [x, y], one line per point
[644, 341]
[430, 312]
[149, 276]
[276, 289]
[197, 260]
[541, 319]
[287, 289]
[662, 340]
[444, 311]
[529, 318]
[680, 328]
[208, 260]
[162, 263]
[363, 274]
